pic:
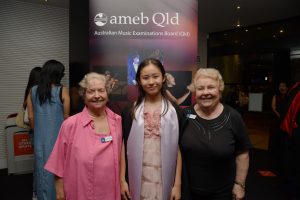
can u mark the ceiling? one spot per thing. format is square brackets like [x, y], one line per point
[221, 15]
[56, 3]
[282, 33]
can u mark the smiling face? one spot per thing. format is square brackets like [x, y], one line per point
[207, 92]
[283, 88]
[95, 95]
[151, 80]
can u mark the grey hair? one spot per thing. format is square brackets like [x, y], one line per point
[90, 76]
[210, 73]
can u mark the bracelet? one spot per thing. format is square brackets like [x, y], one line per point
[240, 184]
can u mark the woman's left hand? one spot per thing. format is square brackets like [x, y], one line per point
[176, 193]
[238, 192]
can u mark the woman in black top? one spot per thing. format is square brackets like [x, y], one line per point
[214, 144]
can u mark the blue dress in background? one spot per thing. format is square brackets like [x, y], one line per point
[48, 118]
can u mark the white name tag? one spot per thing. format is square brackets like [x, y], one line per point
[106, 139]
[191, 116]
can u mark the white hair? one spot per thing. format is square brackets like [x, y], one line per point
[88, 77]
[210, 73]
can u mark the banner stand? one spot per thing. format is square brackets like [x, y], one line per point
[20, 157]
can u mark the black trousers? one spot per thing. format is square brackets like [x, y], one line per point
[225, 193]
[292, 165]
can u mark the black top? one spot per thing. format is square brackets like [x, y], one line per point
[209, 147]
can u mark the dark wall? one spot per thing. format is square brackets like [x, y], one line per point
[78, 49]
[258, 67]
[259, 52]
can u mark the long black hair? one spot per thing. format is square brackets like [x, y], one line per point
[141, 91]
[33, 80]
[51, 74]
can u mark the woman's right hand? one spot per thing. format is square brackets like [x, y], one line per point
[125, 194]
[60, 195]
[59, 186]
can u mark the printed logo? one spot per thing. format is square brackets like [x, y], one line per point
[100, 19]
[159, 19]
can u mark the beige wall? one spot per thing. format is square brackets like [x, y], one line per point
[30, 34]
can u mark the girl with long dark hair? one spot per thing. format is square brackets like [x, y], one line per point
[150, 159]
[48, 105]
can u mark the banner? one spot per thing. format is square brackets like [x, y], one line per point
[123, 33]
[22, 144]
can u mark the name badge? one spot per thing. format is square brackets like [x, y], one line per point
[191, 116]
[106, 139]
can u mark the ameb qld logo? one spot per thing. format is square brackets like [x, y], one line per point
[159, 19]
[100, 19]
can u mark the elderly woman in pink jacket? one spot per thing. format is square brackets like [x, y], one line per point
[85, 159]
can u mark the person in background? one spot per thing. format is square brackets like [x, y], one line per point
[279, 98]
[277, 138]
[243, 99]
[33, 79]
[150, 159]
[232, 97]
[290, 125]
[132, 69]
[85, 158]
[170, 81]
[48, 105]
[214, 143]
